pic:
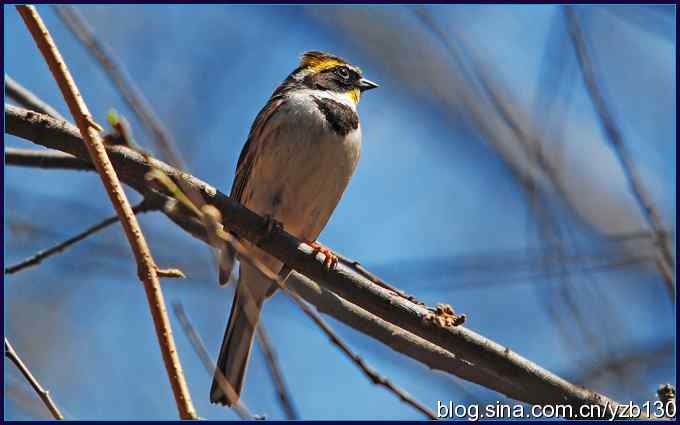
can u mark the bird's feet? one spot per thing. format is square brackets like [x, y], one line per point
[331, 260]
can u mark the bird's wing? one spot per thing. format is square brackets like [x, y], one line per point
[246, 161]
[247, 158]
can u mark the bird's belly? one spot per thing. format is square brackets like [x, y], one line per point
[300, 178]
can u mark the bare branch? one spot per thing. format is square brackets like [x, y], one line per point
[199, 348]
[665, 262]
[145, 264]
[132, 96]
[275, 371]
[171, 273]
[523, 380]
[42, 393]
[28, 100]
[395, 337]
[45, 159]
[376, 378]
[37, 258]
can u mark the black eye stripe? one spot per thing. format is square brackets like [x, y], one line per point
[346, 73]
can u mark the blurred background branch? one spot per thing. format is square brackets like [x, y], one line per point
[133, 97]
[666, 261]
[202, 353]
[276, 373]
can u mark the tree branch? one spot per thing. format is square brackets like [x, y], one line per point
[277, 375]
[144, 206]
[376, 378]
[204, 357]
[665, 261]
[42, 393]
[147, 270]
[407, 343]
[27, 99]
[133, 97]
[45, 159]
[480, 360]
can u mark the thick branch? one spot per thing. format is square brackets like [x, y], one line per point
[147, 269]
[395, 337]
[494, 366]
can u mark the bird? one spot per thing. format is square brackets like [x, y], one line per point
[300, 155]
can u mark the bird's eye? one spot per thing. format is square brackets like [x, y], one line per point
[343, 72]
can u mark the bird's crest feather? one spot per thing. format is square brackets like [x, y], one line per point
[319, 61]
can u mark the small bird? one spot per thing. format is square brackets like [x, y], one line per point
[299, 157]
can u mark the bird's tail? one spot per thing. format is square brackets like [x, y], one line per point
[249, 296]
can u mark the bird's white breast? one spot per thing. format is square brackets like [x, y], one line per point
[304, 167]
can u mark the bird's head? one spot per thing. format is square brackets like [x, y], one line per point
[323, 71]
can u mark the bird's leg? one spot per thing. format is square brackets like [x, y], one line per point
[331, 260]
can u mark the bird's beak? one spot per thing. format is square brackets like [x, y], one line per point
[365, 84]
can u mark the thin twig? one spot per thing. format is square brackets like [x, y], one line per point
[480, 356]
[376, 378]
[42, 393]
[199, 348]
[375, 279]
[97, 151]
[275, 372]
[27, 99]
[60, 247]
[116, 72]
[171, 273]
[213, 217]
[24, 397]
[45, 159]
[665, 262]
